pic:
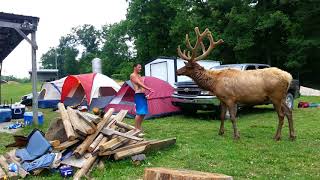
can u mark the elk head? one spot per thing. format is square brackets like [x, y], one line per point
[191, 56]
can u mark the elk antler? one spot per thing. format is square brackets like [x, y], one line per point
[205, 53]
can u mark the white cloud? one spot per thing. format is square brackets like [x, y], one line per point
[56, 20]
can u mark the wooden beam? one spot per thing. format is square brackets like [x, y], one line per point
[131, 146]
[85, 168]
[165, 173]
[65, 145]
[152, 145]
[89, 121]
[117, 142]
[66, 122]
[125, 126]
[82, 148]
[79, 124]
[95, 142]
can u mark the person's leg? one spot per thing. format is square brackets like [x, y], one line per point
[138, 121]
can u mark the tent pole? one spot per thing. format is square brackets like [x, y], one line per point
[34, 80]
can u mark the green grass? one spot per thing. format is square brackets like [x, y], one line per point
[199, 147]
[15, 91]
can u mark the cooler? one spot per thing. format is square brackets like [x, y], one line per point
[5, 115]
[17, 111]
[28, 117]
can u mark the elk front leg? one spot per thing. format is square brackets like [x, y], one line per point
[223, 109]
[233, 112]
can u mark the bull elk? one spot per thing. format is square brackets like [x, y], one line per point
[233, 86]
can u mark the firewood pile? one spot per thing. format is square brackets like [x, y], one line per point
[90, 138]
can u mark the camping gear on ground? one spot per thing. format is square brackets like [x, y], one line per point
[36, 147]
[44, 161]
[5, 115]
[93, 90]
[159, 102]
[50, 94]
[308, 104]
[15, 125]
[13, 167]
[66, 171]
[18, 110]
[28, 118]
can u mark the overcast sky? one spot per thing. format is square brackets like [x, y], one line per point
[57, 17]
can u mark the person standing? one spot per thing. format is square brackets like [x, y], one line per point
[140, 97]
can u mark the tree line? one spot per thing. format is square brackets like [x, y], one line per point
[282, 33]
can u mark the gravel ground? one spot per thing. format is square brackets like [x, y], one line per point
[305, 91]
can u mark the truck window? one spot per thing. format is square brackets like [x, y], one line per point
[250, 67]
[262, 67]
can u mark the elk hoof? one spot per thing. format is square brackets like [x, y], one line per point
[292, 137]
[277, 138]
[221, 132]
[236, 137]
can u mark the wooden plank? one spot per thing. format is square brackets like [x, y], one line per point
[3, 175]
[90, 129]
[90, 117]
[181, 174]
[66, 122]
[85, 168]
[54, 143]
[87, 120]
[125, 126]
[153, 145]
[95, 142]
[75, 122]
[65, 145]
[10, 158]
[131, 146]
[5, 166]
[129, 152]
[79, 151]
[117, 142]
[97, 150]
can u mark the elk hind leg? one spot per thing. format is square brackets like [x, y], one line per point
[281, 114]
[233, 112]
[288, 113]
[223, 109]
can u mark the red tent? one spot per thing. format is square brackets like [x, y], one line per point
[159, 102]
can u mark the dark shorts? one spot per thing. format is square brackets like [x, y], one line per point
[141, 104]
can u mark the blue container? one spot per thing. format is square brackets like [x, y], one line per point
[28, 116]
[17, 111]
[5, 115]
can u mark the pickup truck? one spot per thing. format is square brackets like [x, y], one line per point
[190, 98]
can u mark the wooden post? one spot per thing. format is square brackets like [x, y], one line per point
[65, 145]
[131, 146]
[95, 143]
[78, 124]
[165, 173]
[87, 142]
[66, 122]
[34, 80]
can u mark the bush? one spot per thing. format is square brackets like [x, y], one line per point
[122, 77]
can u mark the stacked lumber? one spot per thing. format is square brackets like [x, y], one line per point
[93, 138]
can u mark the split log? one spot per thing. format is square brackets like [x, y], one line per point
[3, 175]
[152, 145]
[65, 145]
[10, 158]
[165, 173]
[78, 124]
[90, 117]
[125, 126]
[56, 131]
[54, 143]
[95, 142]
[97, 150]
[86, 119]
[117, 142]
[131, 146]
[5, 166]
[85, 168]
[66, 122]
[87, 142]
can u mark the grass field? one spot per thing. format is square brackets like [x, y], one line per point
[199, 147]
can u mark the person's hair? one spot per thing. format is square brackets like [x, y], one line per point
[135, 65]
